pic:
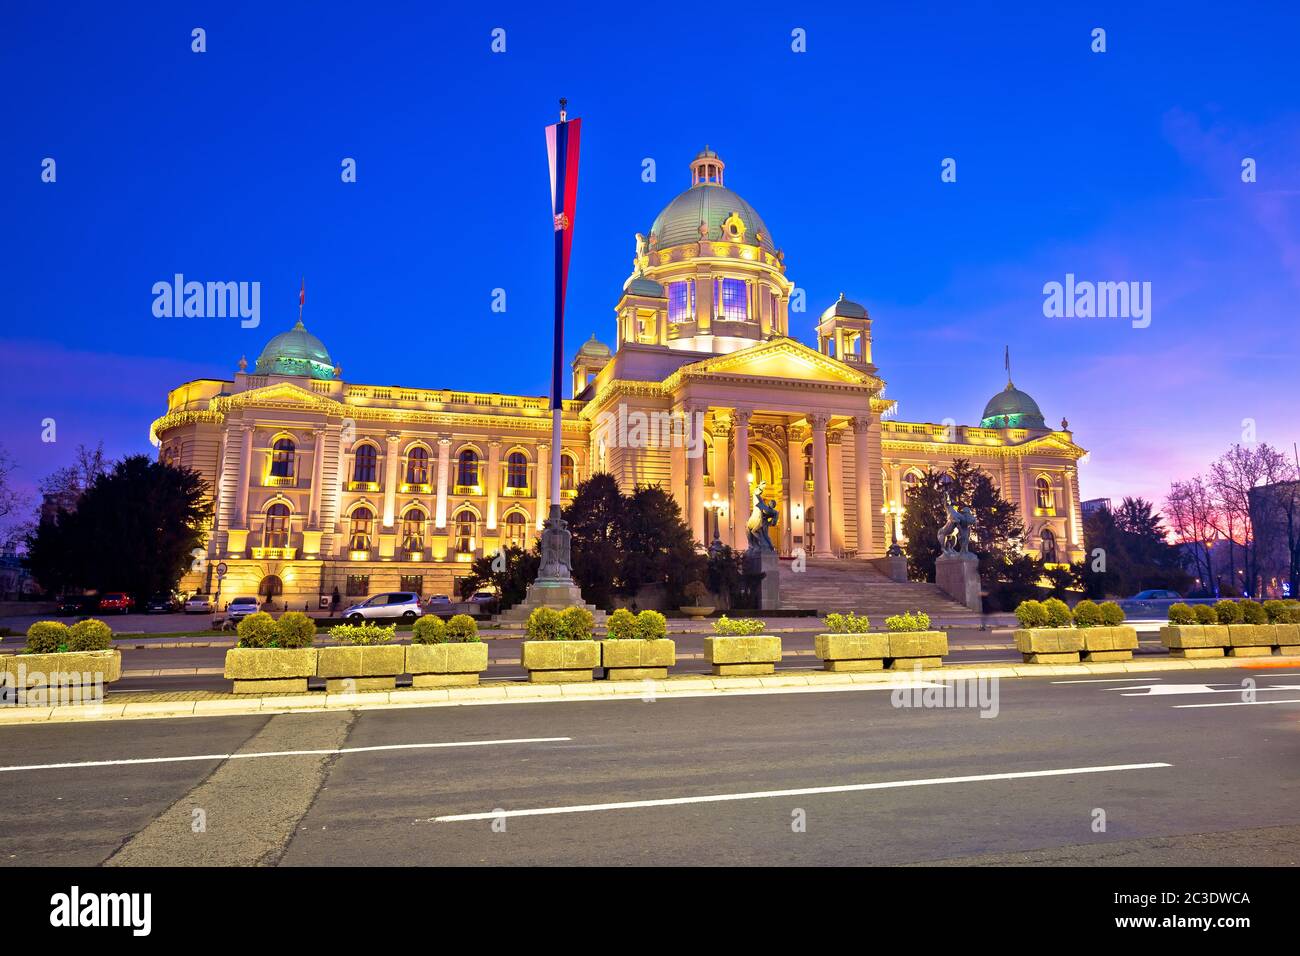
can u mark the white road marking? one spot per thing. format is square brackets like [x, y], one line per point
[1156, 691]
[1110, 680]
[284, 753]
[800, 792]
[1238, 703]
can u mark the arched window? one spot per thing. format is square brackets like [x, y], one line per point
[466, 526]
[1044, 488]
[275, 533]
[808, 463]
[467, 468]
[282, 458]
[363, 521]
[516, 529]
[417, 466]
[413, 529]
[517, 470]
[1048, 549]
[910, 480]
[568, 472]
[363, 465]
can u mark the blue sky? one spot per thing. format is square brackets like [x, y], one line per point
[225, 165]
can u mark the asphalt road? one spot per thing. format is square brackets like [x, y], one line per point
[1176, 781]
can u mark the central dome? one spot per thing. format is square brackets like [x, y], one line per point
[296, 352]
[713, 204]
[1012, 408]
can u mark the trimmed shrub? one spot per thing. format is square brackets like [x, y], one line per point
[578, 623]
[1087, 614]
[1058, 613]
[1112, 615]
[294, 630]
[1276, 611]
[651, 626]
[1252, 612]
[1293, 614]
[256, 630]
[850, 623]
[621, 625]
[1205, 614]
[1181, 613]
[90, 635]
[545, 624]
[462, 629]
[738, 627]
[47, 637]
[1031, 613]
[1228, 612]
[911, 621]
[429, 629]
[362, 635]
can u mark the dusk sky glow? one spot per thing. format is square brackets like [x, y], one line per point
[1122, 166]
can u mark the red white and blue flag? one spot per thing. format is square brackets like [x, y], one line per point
[562, 148]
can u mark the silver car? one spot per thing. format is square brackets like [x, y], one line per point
[402, 605]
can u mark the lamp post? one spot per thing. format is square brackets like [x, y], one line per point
[893, 509]
[717, 507]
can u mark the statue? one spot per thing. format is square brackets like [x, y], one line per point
[957, 528]
[763, 516]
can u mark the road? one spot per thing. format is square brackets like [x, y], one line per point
[684, 781]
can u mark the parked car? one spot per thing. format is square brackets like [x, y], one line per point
[80, 606]
[1156, 595]
[161, 604]
[482, 597]
[115, 601]
[404, 605]
[438, 603]
[198, 604]
[240, 607]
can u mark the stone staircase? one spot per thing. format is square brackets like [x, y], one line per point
[849, 584]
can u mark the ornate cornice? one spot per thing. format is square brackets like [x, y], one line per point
[178, 419]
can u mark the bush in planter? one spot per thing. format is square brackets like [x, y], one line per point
[90, 635]
[577, 624]
[651, 626]
[1087, 614]
[1181, 613]
[1277, 612]
[1228, 612]
[738, 627]
[1031, 613]
[429, 629]
[462, 629]
[1293, 614]
[362, 635]
[621, 626]
[850, 623]
[256, 630]
[911, 621]
[1112, 615]
[545, 624]
[1205, 614]
[1252, 612]
[294, 630]
[47, 637]
[1058, 613]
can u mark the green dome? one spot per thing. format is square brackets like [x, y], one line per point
[595, 349]
[640, 285]
[679, 223]
[844, 308]
[1012, 408]
[296, 352]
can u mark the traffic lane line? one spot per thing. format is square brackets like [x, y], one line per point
[1237, 703]
[797, 792]
[189, 758]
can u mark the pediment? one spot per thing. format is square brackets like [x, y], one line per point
[779, 359]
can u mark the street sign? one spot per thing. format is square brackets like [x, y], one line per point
[221, 569]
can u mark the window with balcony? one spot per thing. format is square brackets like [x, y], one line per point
[733, 299]
[516, 530]
[363, 523]
[1046, 503]
[282, 454]
[413, 530]
[364, 464]
[275, 533]
[568, 472]
[466, 524]
[467, 467]
[517, 471]
[417, 466]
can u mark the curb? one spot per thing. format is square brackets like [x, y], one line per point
[812, 681]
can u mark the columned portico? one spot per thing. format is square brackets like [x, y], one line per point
[740, 503]
[862, 480]
[821, 486]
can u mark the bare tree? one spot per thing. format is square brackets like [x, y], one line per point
[1190, 510]
[1232, 476]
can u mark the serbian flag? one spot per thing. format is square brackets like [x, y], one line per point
[562, 148]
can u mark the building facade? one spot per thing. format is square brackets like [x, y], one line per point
[320, 483]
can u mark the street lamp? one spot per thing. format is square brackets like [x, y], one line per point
[893, 509]
[718, 508]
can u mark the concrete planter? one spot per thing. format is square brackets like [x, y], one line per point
[1251, 640]
[270, 670]
[733, 656]
[1195, 640]
[68, 669]
[1050, 645]
[1116, 643]
[697, 612]
[1288, 638]
[446, 665]
[852, 652]
[636, 659]
[352, 668]
[911, 649]
[555, 662]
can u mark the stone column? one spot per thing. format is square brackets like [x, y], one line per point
[695, 499]
[245, 472]
[740, 499]
[704, 307]
[862, 476]
[795, 488]
[821, 486]
[839, 501]
[542, 480]
[317, 471]
[493, 482]
[677, 454]
[444, 468]
[391, 457]
[722, 473]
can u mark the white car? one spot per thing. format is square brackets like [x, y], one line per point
[402, 605]
[199, 604]
[240, 607]
[439, 602]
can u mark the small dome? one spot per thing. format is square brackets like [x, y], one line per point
[640, 285]
[845, 309]
[296, 352]
[595, 349]
[1012, 408]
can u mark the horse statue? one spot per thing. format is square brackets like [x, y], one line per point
[763, 516]
[957, 529]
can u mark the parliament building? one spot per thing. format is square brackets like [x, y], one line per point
[321, 483]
